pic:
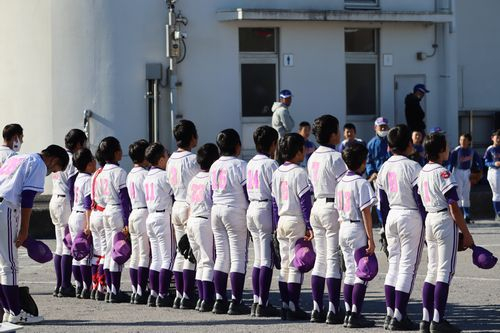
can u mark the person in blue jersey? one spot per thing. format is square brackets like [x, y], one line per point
[492, 161]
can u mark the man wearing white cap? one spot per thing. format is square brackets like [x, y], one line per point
[282, 121]
[414, 113]
[378, 151]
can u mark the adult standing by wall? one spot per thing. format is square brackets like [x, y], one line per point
[414, 113]
[282, 121]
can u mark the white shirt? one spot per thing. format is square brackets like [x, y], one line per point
[5, 153]
[96, 192]
[227, 178]
[260, 171]
[135, 187]
[397, 177]
[325, 168]
[434, 181]
[111, 180]
[20, 173]
[199, 196]
[60, 179]
[158, 192]
[354, 193]
[289, 184]
[83, 187]
[181, 168]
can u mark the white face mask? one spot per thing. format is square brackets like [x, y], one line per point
[382, 134]
[16, 146]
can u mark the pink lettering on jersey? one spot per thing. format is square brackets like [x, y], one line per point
[197, 193]
[11, 166]
[392, 179]
[284, 190]
[315, 173]
[150, 191]
[132, 193]
[253, 179]
[173, 177]
[104, 184]
[427, 195]
[346, 202]
[219, 180]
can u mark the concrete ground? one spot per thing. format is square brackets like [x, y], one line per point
[474, 302]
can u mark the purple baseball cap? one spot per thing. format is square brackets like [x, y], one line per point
[121, 248]
[421, 88]
[437, 129]
[38, 250]
[483, 258]
[304, 256]
[367, 264]
[67, 238]
[381, 121]
[81, 246]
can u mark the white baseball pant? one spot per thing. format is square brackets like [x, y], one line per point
[180, 214]
[60, 210]
[10, 224]
[352, 236]
[113, 223]
[139, 238]
[463, 186]
[494, 180]
[161, 237]
[98, 236]
[290, 229]
[260, 224]
[201, 239]
[76, 224]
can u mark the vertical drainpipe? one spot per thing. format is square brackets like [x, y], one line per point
[451, 72]
[172, 73]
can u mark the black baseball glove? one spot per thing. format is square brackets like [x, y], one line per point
[276, 251]
[184, 246]
[383, 244]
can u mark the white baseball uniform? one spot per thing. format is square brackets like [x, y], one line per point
[137, 219]
[228, 179]
[76, 223]
[199, 227]
[18, 174]
[97, 220]
[404, 226]
[181, 168]
[289, 184]
[158, 194]
[441, 232]
[5, 153]
[325, 168]
[491, 156]
[60, 203]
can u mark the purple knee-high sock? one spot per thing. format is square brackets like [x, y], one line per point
[318, 289]
[77, 275]
[3, 301]
[358, 296]
[401, 303]
[95, 276]
[441, 298]
[284, 292]
[334, 286]
[294, 293]
[220, 284]
[199, 286]
[107, 275]
[428, 299]
[165, 277]
[116, 278]
[179, 282]
[11, 294]
[390, 296]
[208, 291]
[57, 267]
[86, 272]
[66, 262]
[188, 276]
[142, 279]
[237, 285]
[133, 278]
[256, 281]
[348, 288]
[265, 278]
[154, 281]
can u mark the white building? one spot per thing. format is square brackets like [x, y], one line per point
[355, 59]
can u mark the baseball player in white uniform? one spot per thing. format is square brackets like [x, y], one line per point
[12, 141]
[158, 194]
[60, 209]
[438, 190]
[80, 215]
[325, 168]
[353, 200]
[181, 168]
[112, 184]
[492, 161]
[403, 215]
[259, 217]
[292, 203]
[228, 180]
[199, 227]
[21, 178]
[139, 260]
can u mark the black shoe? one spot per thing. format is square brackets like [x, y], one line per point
[253, 309]
[387, 322]
[335, 318]
[141, 299]
[238, 308]
[198, 305]
[100, 296]
[164, 302]
[298, 314]
[284, 311]
[56, 291]
[92, 293]
[67, 292]
[120, 297]
[267, 311]
[206, 306]
[221, 306]
[358, 321]
[468, 220]
[187, 304]
[346, 318]
[152, 301]
[107, 298]
[443, 327]
[78, 293]
[318, 316]
[177, 303]
[425, 327]
[406, 324]
[132, 298]
[85, 294]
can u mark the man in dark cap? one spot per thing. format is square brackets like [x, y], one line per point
[413, 111]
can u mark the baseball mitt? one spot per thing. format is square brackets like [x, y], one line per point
[475, 176]
[276, 251]
[383, 244]
[184, 246]
[461, 246]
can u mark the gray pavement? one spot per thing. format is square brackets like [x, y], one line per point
[474, 302]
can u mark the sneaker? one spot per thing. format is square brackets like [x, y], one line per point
[335, 318]
[359, 321]
[99, 296]
[5, 317]
[141, 299]
[346, 318]
[177, 303]
[165, 302]
[238, 308]
[206, 306]
[443, 327]
[120, 297]
[253, 309]
[78, 292]
[221, 306]
[425, 327]
[187, 304]
[298, 314]
[92, 293]
[24, 318]
[406, 324]
[67, 292]
[387, 322]
[267, 311]
[318, 316]
[132, 298]
[85, 294]
[56, 291]
[198, 305]
[152, 301]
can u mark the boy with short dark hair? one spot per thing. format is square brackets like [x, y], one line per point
[310, 147]
[349, 137]
[12, 141]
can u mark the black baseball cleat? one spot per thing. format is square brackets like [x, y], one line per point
[468, 220]
[107, 298]
[177, 303]
[99, 296]
[152, 301]
[67, 292]
[56, 291]
[443, 327]
[221, 306]
[165, 302]
[187, 304]
[387, 322]
[425, 327]
[238, 308]
[405, 324]
[141, 299]
[119, 297]
[267, 311]
[358, 321]
[253, 309]
[318, 316]
[132, 298]
[206, 306]
[92, 293]
[78, 292]
[198, 304]
[85, 294]
[297, 315]
[346, 318]
[335, 318]
[283, 313]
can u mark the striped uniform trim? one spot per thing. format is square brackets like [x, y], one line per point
[173, 246]
[453, 253]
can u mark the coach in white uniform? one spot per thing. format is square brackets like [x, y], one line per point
[12, 141]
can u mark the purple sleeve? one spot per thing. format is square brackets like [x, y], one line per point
[126, 205]
[246, 192]
[87, 202]
[71, 186]
[27, 198]
[306, 205]
[275, 214]
[451, 195]
[420, 205]
[384, 205]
